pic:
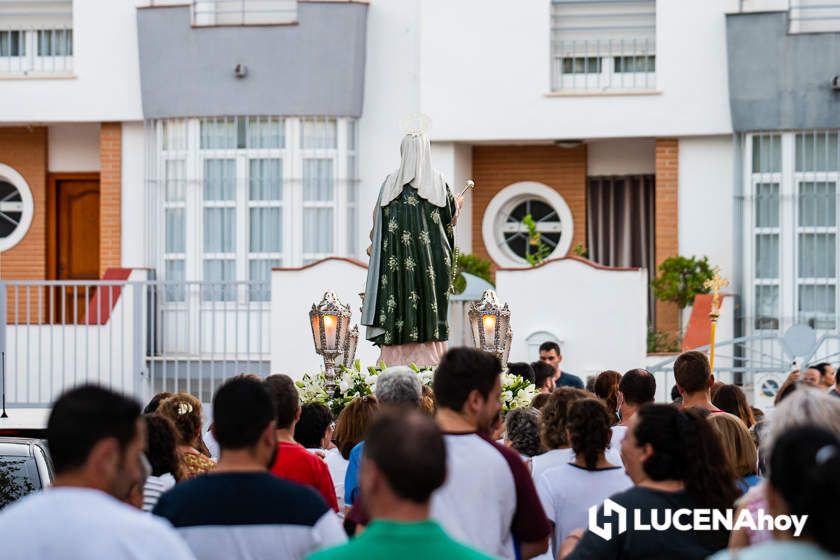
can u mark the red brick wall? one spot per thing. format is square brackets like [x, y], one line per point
[24, 149]
[496, 167]
[667, 226]
[110, 185]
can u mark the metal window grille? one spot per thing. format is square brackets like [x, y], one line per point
[36, 37]
[792, 230]
[603, 45]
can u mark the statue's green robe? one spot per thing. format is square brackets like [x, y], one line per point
[410, 270]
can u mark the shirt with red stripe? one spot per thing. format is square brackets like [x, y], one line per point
[295, 463]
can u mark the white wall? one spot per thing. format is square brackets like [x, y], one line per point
[706, 187]
[455, 162]
[133, 209]
[391, 94]
[72, 147]
[106, 82]
[632, 156]
[599, 315]
[485, 75]
[293, 293]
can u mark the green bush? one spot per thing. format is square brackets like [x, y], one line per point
[682, 278]
[662, 342]
[474, 265]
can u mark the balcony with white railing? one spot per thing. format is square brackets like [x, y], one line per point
[603, 45]
[604, 65]
[36, 38]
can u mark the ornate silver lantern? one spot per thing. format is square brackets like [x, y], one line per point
[490, 323]
[330, 322]
[348, 354]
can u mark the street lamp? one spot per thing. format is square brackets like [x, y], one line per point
[348, 354]
[490, 323]
[330, 322]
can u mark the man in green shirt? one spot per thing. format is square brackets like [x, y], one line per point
[404, 462]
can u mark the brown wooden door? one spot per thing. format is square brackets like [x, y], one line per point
[77, 228]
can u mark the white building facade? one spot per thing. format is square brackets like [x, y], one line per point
[194, 147]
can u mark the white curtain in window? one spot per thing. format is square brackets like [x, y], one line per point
[317, 230]
[174, 180]
[220, 275]
[219, 230]
[766, 307]
[219, 133]
[318, 134]
[317, 180]
[265, 133]
[817, 204]
[767, 205]
[174, 272]
[767, 256]
[265, 179]
[259, 272]
[816, 306]
[219, 179]
[266, 230]
[174, 230]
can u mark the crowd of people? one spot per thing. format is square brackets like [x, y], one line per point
[440, 472]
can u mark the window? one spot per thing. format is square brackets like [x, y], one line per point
[506, 236]
[814, 16]
[238, 196]
[244, 12]
[793, 229]
[15, 207]
[37, 38]
[603, 45]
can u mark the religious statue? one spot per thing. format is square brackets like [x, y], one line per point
[411, 258]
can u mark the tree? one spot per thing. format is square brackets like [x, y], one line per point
[681, 279]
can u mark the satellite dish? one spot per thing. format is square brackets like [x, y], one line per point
[798, 341]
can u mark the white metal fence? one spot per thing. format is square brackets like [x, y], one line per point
[130, 335]
[34, 51]
[604, 65]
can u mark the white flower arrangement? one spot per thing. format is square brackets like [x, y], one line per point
[517, 392]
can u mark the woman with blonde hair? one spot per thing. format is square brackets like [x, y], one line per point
[184, 411]
[739, 448]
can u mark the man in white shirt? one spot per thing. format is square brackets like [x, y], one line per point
[488, 500]
[240, 510]
[637, 387]
[96, 438]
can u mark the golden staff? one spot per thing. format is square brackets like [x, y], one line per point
[715, 283]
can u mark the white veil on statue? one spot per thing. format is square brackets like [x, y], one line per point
[415, 170]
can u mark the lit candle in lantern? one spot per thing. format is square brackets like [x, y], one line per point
[489, 324]
[330, 322]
